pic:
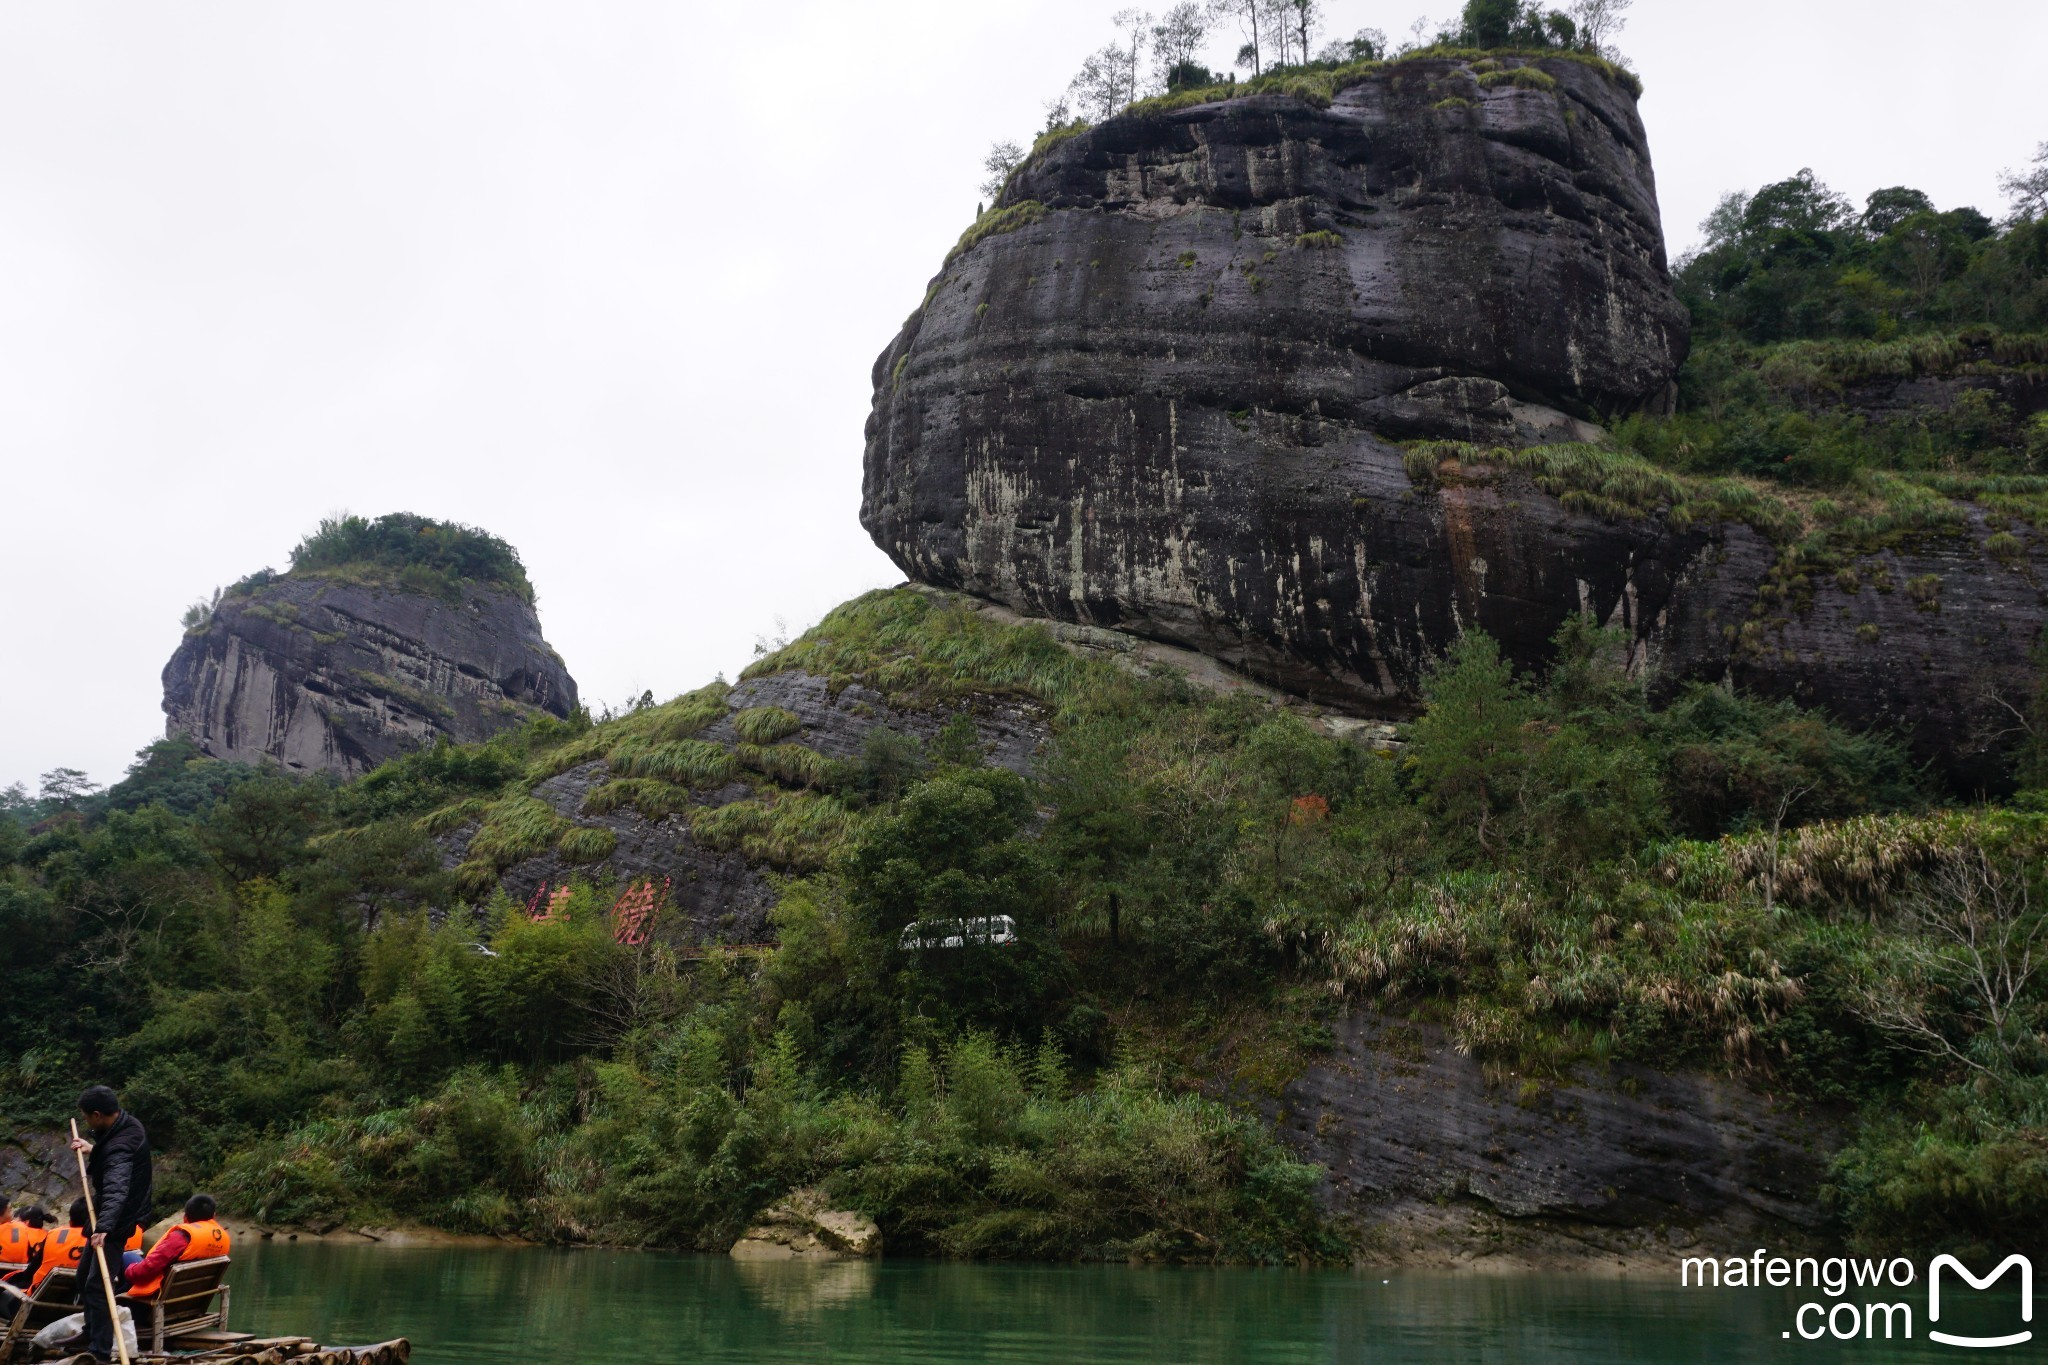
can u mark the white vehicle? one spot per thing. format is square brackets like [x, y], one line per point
[992, 930]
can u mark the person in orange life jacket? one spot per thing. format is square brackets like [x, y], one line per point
[64, 1247]
[195, 1239]
[21, 1244]
[14, 1240]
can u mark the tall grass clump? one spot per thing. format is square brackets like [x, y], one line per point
[921, 651]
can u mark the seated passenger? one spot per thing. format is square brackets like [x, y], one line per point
[195, 1239]
[20, 1235]
[13, 1241]
[64, 1248]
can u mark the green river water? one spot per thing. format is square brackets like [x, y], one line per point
[529, 1304]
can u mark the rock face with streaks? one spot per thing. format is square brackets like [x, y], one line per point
[1437, 1163]
[321, 673]
[1159, 388]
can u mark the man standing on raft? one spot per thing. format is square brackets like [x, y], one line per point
[118, 1170]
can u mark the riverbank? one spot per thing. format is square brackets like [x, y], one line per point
[408, 1235]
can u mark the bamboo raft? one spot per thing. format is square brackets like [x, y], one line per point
[274, 1351]
[186, 1321]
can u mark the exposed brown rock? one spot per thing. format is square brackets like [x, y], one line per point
[802, 1227]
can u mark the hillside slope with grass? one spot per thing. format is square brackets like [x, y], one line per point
[1586, 905]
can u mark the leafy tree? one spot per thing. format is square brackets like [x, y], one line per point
[2027, 190]
[174, 773]
[1098, 88]
[416, 782]
[1366, 45]
[890, 762]
[1470, 749]
[1489, 23]
[1732, 762]
[1885, 209]
[65, 788]
[1256, 21]
[1513, 23]
[1299, 22]
[199, 613]
[260, 827]
[1800, 204]
[1099, 836]
[1133, 26]
[1598, 21]
[1177, 46]
[1793, 261]
[1002, 158]
[955, 849]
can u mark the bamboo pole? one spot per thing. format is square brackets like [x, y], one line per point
[99, 1249]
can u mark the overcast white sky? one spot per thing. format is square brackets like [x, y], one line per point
[607, 279]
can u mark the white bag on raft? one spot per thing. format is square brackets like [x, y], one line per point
[65, 1333]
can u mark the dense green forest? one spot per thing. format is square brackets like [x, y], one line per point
[321, 1019]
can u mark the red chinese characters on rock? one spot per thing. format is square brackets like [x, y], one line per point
[633, 912]
[546, 907]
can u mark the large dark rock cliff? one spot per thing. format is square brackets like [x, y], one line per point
[1158, 388]
[1437, 1164]
[317, 672]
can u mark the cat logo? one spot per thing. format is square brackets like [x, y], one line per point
[2026, 1298]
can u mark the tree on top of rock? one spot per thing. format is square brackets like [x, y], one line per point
[1510, 23]
[1177, 47]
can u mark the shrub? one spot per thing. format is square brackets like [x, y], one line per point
[587, 844]
[995, 222]
[446, 551]
[791, 765]
[684, 762]
[794, 831]
[514, 830]
[765, 724]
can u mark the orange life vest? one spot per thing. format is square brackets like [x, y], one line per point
[63, 1249]
[16, 1240]
[134, 1242]
[205, 1238]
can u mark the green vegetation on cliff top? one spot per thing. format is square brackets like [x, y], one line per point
[397, 550]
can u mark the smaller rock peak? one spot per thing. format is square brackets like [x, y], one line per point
[383, 635]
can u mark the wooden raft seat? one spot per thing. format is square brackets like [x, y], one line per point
[184, 1305]
[54, 1298]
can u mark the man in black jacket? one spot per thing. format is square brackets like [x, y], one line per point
[119, 1171]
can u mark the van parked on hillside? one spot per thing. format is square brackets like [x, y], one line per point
[993, 930]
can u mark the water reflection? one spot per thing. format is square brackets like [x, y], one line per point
[476, 1305]
[799, 1290]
